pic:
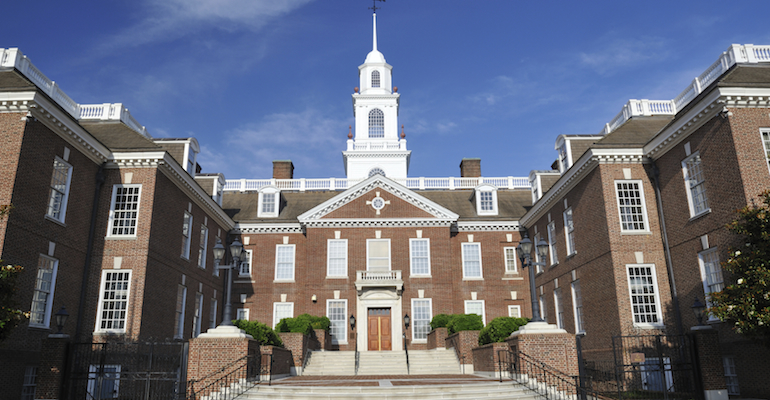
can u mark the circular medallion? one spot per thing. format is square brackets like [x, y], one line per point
[378, 203]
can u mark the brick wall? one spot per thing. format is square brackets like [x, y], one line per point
[556, 350]
[486, 357]
[277, 360]
[464, 342]
[283, 169]
[437, 338]
[297, 344]
[208, 356]
[470, 167]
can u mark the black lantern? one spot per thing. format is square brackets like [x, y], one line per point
[352, 322]
[699, 309]
[219, 251]
[61, 319]
[406, 321]
[236, 248]
[542, 249]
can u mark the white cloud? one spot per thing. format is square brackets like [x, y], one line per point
[619, 53]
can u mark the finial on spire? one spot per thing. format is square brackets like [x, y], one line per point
[403, 135]
[374, 23]
[374, 5]
[350, 132]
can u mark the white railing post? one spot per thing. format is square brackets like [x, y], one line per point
[243, 185]
[422, 183]
[750, 56]
[451, 183]
[302, 185]
[510, 182]
[332, 184]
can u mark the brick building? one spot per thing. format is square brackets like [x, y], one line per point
[636, 220]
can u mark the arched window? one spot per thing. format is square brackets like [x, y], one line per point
[375, 78]
[376, 171]
[376, 124]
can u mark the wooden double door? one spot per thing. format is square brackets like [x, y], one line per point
[379, 329]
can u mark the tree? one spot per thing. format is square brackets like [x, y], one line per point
[10, 315]
[745, 303]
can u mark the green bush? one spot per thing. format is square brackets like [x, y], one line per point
[439, 321]
[304, 323]
[265, 335]
[464, 322]
[499, 329]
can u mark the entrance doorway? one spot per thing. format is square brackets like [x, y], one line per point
[379, 329]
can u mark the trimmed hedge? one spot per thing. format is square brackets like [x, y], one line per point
[304, 323]
[439, 321]
[457, 322]
[264, 334]
[500, 329]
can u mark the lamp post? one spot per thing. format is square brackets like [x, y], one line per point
[236, 248]
[61, 319]
[525, 255]
[699, 309]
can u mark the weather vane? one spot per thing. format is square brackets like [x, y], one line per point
[374, 5]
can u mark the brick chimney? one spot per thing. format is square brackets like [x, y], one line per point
[283, 169]
[470, 168]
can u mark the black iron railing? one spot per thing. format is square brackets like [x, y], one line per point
[357, 358]
[308, 354]
[406, 351]
[542, 378]
[228, 382]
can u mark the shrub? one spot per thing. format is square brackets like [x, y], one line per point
[265, 335]
[304, 323]
[464, 322]
[499, 329]
[439, 321]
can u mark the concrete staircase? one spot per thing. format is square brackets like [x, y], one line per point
[421, 362]
[469, 391]
[331, 363]
[433, 362]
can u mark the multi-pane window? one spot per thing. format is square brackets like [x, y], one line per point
[577, 304]
[281, 311]
[124, 211]
[766, 143]
[514, 311]
[486, 201]
[695, 183]
[284, 262]
[419, 251]
[198, 315]
[375, 79]
[336, 311]
[731, 376]
[631, 206]
[711, 273]
[644, 295]
[534, 188]
[569, 231]
[181, 300]
[552, 243]
[376, 123]
[186, 234]
[476, 307]
[538, 259]
[559, 307]
[268, 203]
[103, 381]
[60, 188]
[510, 260]
[245, 267]
[242, 314]
[563, 161]
[378, 254]
[543, 307]
[471, 260]
[213, 314]
[422, 313]
[337, 257]
[42, 299]
[30, 383]
[203, 246]
[113, 304]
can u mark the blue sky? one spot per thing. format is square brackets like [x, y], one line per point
[259, 80]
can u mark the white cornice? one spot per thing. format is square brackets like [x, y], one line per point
[378, 223]
[376, 153]
[253, 227]
[481, 226]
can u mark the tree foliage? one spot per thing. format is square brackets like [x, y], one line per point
[303, 323]
[745, 302]
[500, 329]
[457, 322]
[264, 334]
[10, 315]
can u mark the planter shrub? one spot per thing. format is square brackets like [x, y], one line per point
[457, 322]
[500, 329]
[304, 323]
[439, 321]
[264, 334]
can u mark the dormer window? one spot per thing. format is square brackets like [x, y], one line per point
[191, 150]
[376, 123]
[269, 202]
[534, 188]
[375, 79]
[563, 162]
[486, 200]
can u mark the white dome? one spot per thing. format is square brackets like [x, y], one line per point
[374, 56]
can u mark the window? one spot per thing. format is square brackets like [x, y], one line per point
[186, 235]
[633, 214]
[510, 260]
[422, 313]
[213, 314]
[181, 300]
[471, 261]
[543, 308]
[60, 189]
[376, 123]
[514, 311]
[113, 304]
[552, 243]
[269, 202]
[766, 141]
[643, 289]
[569, 231]
[191, 154]
[242, 314]
[563, 160]
[281, 311]
[42, 299]
[537, 255]
[375, 79]
[577, 304]
[107, 386]
[419, 256]
[376, 171]
[203, 246]
[695, 183]
[378, 254]
[124, 210]
[30, 384]
[711, 274]
[337, 311]
[284, 262]
[559, 307]
[731, 376]
[198, 315]
[486, 200]
[337, 258]
[245, 268]
[534, 188]
[476, 307]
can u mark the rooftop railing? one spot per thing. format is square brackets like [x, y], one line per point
[422, 183]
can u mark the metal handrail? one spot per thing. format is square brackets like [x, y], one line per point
[246, 374]
[406, 351]
[357, 357]
[543, 378]
[308, 353]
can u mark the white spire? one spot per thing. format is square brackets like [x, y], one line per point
[374, 33]
[374, 56]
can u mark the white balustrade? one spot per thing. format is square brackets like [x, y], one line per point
[379, 279]
[421, 183]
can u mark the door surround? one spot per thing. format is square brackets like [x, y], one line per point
[379, 298]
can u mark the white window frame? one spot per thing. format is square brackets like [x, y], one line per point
[100, 309]
[261, 203]
[577, 306]
[552, 254]
[376, 81]
[242, 314]
[30, 383]
[203, 247]
[466, 276]
[57, 199]
[181, 291]
[278, 248]
[41, 291]
[344, 321]
[514, 311]
[558, 306]
[656, 296]
[731, 375]
[111, 225]
[765, 137]
[715, 286]
[543, 303]
[344, 260]
[426, 322]
[213, 314]
[538, 260]
[483, 309]
[569, 231]
[689, 186]
[376, 124]
[93, 378]
[186, 235]
[510, 257]
[197, 315]
[486, 189]
[244, 270]
[276, 320]
[412, 257]
[643, 205]
[369, 258]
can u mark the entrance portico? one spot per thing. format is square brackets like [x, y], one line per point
[379, 295]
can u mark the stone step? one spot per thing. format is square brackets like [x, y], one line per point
[505, 390]
[421, 362]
